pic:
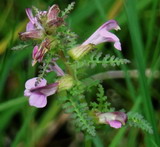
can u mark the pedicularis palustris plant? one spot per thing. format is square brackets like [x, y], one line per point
[53, 42]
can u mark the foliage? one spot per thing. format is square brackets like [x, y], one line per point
[68, 9]
[76, 105]
[137, 120]
[141, 93]
[96, 59]
[102, 105]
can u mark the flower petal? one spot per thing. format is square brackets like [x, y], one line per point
[108, 117]
[30, 26]
[35, 50]
[102, 34]
[115, 124]
[121, 116]
[27, 93]
[110, 37]
[31, 83]
[32, 34]
[49, 89]
[30, 15]
[110, 25]
[56, 69]
[38, 100]
[53, 13]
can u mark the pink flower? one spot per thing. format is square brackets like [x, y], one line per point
[114, 119]
[43, 22]
[34, 29]
[52, 16]
[102, 34]
[38, 93]
[33, 23]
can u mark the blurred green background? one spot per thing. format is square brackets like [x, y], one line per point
[24, 126]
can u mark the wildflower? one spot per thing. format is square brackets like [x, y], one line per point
[39, 51]
[43, 22]
[114, 119]
[52, 16]
[34, 29]
[101, 35]
[38, 93]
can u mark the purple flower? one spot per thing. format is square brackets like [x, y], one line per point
[43, 22]
[114, 119]
[34, 29]
[102, 34]
[33, 23]
[38, 93]
[52, 16]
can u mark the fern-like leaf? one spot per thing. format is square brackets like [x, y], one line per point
[68, 9]
[76, 105]
[107, 60]
[102, 104]
[96, 59]
[137, 120]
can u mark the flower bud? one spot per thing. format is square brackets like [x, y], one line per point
[39, 52]
[65, 83]
[114, 119]
[80, 51]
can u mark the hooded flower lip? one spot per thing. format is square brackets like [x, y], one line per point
[54, 67]
[114, 119]
[57, 70]
[52, 16]
[34, 29]
[53, 12]
[102, 34]
[34, 22]
[38, 93]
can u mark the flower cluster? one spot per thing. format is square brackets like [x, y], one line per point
[40, 27]
[45, 28]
